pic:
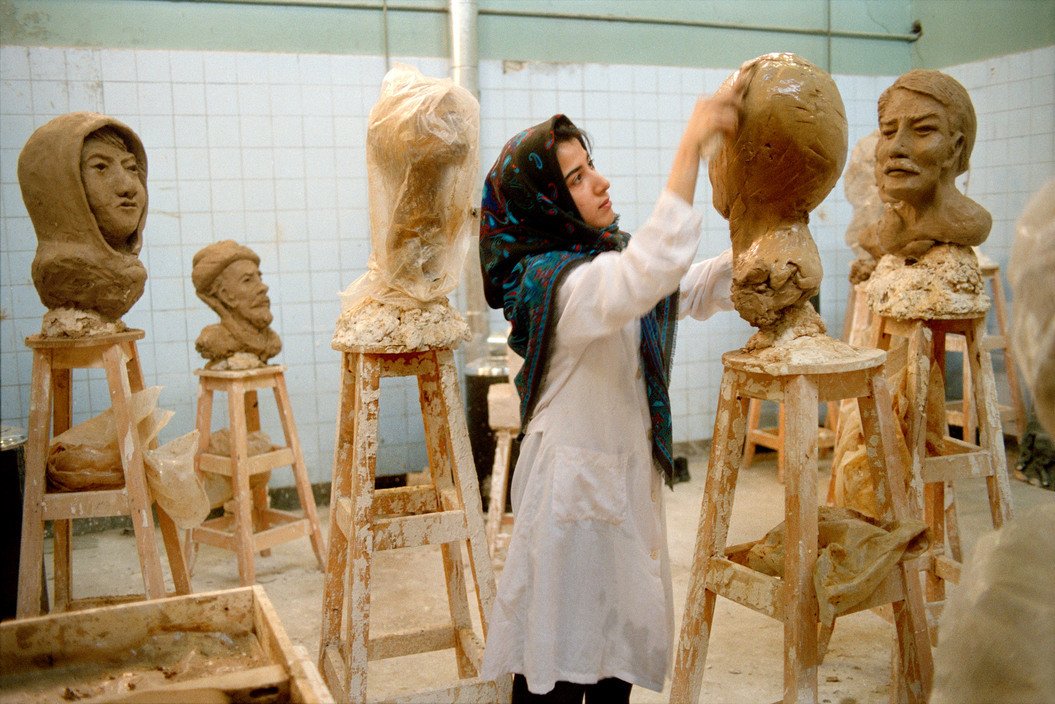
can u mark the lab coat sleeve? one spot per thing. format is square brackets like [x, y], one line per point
[601, 296]
[706, 288]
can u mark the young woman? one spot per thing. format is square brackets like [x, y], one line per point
[584, 603]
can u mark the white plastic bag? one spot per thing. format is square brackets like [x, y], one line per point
[174, 484]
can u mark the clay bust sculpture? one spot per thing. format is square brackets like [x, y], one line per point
[226, 276]
[928, 271]
[859, 185]
[83, 178]
[927, 128]
[785, 159]
[422, 160]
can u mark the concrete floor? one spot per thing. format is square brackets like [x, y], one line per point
[746, 649]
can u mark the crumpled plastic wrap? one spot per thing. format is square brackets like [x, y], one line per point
[1033, 305]
[173, 482]
[86, 457]
[997, 631]
[422, 161]
[855, 553]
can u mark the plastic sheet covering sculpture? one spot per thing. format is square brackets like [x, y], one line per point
[1033, 313]
[422, 161]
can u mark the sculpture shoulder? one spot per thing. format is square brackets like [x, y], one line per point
[216, 342]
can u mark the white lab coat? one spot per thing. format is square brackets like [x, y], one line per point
[586, 591]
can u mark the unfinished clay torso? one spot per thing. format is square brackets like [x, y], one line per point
[87, 198]
[786, 157]
[226, 276]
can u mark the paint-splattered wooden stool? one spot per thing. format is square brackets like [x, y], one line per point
[253, 526]
[940, 461]
[51, 413]
[363, 520]
[503, 415]
[800, 382]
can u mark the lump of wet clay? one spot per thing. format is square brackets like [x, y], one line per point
[784, 160]
[226, 275]
[926, 133]
[859, 185]
[83, 178]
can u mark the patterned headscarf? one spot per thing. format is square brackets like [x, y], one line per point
[531, 236]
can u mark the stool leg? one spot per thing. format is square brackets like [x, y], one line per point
[257, 492]
[754, 417]
[915, 666]
[781, 437]
[62, 529]
[1017, 405]
[499, 481]
[340, 490]
[62, 563]
[990, 431]
[300, 470]
[357, 624]
[135, 475]
[243, 504]
[722, 468]
[203, 424]
[800, 506]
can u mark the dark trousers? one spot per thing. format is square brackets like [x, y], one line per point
[610, 690]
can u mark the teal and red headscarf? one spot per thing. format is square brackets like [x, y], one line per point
[531, 236]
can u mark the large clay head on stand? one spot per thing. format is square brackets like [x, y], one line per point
[859, 185]
[83, 178]
[226, 276]
[926, 132]
[422, 161]
[785, 159]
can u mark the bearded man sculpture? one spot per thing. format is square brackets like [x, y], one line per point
[226, 276]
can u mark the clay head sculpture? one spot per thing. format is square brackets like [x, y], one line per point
[859, 185]
[83, 179]
[422, 157]
[786, 157]
[226, 276]
[927, 128]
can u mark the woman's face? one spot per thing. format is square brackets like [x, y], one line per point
[917, 149]
[115, 194]
[589, 189]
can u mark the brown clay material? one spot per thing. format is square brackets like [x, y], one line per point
[83, 180]
[226, 276]
[927, 128]
[786, 157]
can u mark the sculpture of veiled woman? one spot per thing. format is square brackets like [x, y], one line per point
[83, 177]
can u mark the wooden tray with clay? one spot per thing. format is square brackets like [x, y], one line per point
[222, 646]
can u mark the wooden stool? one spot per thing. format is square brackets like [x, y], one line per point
[253, 526]
[793, 599]
[503, 415]
[960, 413]
[773, 438]
[54, 359]
[957, 460]
[363, 519]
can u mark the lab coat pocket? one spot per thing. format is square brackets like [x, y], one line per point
[589, 485]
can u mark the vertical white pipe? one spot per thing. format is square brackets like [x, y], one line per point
[465, 72]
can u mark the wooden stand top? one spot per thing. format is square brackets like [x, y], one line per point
[42, 342]
[804, 356]
[268, 370]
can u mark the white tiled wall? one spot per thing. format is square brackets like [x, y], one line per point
[267, 149]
